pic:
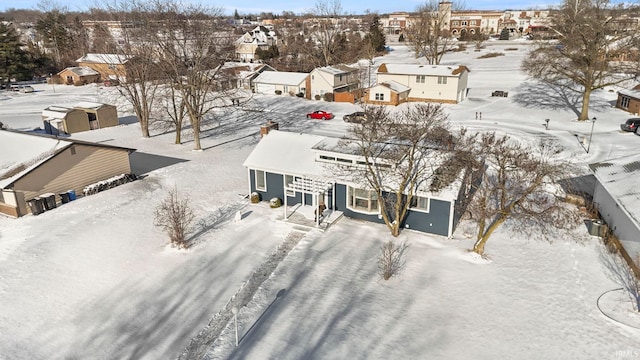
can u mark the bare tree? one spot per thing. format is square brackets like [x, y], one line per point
[518, 187]
[175, 217]
[330, 27]
[391, 260]
[193, 49]
[139, 83]
[401, 153]
[175, 110]
[593, 38]
[428, 32]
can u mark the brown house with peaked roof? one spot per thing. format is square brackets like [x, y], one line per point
[42, 166]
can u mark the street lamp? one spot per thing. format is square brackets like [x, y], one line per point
[593, 122]
[234, 310]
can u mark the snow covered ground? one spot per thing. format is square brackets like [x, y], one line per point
[94, 279]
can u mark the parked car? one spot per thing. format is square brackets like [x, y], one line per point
[111, 82]
[630, 125]
[356, 117]
[22, 88]
[320, 115]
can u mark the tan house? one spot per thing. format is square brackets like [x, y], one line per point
[387, 93]
[333, 79]
[629, 100]
[78, 75]
[432, 83]
[259, 38]
[283, 83]
[109, 66]
[39, 166]
[83, 116]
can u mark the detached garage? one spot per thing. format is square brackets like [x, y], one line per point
[288, 83]
[35, 165]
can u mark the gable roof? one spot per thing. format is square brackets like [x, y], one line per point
[281, 77]
[417, 69]
[620, 178]
[81, 71]
[113, 59]
[22, 152]
[633, 92]
[394, 86]
[243, 70]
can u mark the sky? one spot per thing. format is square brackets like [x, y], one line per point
[278, 6]
[94, 279]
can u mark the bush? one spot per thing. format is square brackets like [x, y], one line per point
[291, 93]
[278, 92]
[300, 94]
[275, 202]
[255, 198]
[391, 259]
[328, 97]
[317, 97]
[175, 216]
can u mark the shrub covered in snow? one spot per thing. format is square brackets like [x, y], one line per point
[275, 202]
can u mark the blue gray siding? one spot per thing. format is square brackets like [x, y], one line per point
[275, 186]
[436, 221]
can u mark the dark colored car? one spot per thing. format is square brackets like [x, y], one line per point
[320, 115]
[630, 125]
[356, 117]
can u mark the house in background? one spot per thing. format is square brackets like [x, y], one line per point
[629, 100]
[258, 38]
[387, 93]
[287, 83]
[35, 165]
[83, 116]
[339, 80]
[616, 196]
[240, 75]
[78, 75]
[432, 83]
[297, 169]
[109, 66]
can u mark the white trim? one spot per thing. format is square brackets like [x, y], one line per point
[264, 179]
[418, 209]
[359, 209]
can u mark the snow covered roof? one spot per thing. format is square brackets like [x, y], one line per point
[82, 71]
[283, 152]
[633, 93]
[23, 152]
[620, 178]
[281, 77]
[56, 112]
[337, 69]
[90, 105]
[243, 70]
[394, 86]
[105, 58]
[274, 154]
[418, 69]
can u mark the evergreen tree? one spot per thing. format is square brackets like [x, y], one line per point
[504, 34]
[14, 62]
[376, 36]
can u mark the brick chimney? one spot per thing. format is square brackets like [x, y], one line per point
[270, 125]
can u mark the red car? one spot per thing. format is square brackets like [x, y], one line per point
[320, 115]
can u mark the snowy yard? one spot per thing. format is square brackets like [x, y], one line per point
[94, 279]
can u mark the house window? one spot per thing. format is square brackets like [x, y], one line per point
[328, 158]
[339, 77]
[380, 96]
[624, 102]
[288, 180]
[464, 23]
[261, 180]
[362, 200]
[72, 149]
[420, 203]
[442, 80]
[420, 78]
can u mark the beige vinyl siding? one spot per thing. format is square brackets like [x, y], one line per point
[67, 171]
